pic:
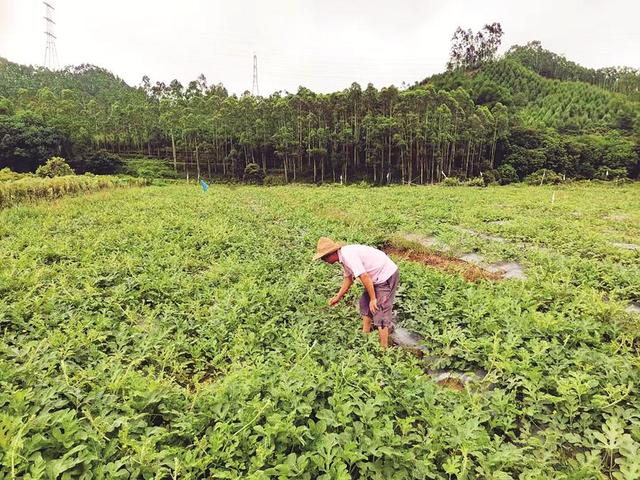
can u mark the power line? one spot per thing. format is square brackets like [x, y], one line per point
[50, 52]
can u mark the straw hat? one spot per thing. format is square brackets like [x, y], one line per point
[325, 247]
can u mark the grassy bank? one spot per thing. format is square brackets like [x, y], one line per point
[31, 188]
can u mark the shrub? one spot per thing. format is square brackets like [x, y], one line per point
[149, 168]
[362, 184]
[274, 180]
[544, 176]
[253, 173]
[102, 162]
[7, 175]
[490, 176]
[6, 107]
[451, 182]
[608, 173]
[55, 167]
[507, 174]
[475, 182]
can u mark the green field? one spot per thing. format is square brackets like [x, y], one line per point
[162, 332]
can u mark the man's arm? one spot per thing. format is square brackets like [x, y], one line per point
[368, 285]
[346, 285]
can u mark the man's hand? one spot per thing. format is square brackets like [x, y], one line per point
[373, 305]
[346, 285]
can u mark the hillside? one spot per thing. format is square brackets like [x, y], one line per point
[86, 79]
[503, 121]
[567, 105]
[623, 80]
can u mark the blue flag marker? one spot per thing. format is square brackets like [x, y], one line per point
[204, 185]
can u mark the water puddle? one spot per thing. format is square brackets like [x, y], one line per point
[497, 222]
[474, 258]
[452, 379]
[505, 269]
[508, 270]
[426, 241]
[617, 217]
[633, 308]
[626, 246]
[483, 236]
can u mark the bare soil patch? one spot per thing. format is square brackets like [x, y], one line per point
[452, 384]
[469, 272]
[433, 252]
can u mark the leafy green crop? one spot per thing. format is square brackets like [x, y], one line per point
[167, 333]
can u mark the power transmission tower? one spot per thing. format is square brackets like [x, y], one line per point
[254, 88]
[50, 52]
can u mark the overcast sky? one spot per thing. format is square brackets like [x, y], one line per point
[324, 45]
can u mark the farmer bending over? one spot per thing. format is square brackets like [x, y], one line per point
[378, 274]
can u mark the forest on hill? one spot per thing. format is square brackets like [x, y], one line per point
[502, 118]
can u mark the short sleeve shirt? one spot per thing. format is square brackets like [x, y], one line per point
[358, 259]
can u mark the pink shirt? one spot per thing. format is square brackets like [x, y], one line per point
[358, 259]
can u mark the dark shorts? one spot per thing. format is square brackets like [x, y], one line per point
[386, 294]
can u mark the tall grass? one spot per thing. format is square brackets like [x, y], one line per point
[32, 188]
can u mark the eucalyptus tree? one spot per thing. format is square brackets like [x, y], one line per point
[469, 50]
[462, 122]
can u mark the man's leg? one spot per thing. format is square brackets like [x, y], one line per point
[367, 321]
[366, 324]
[384, 336]
[383, 318]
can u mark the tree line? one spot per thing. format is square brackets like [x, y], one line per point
[462, 124]
[412, 136]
